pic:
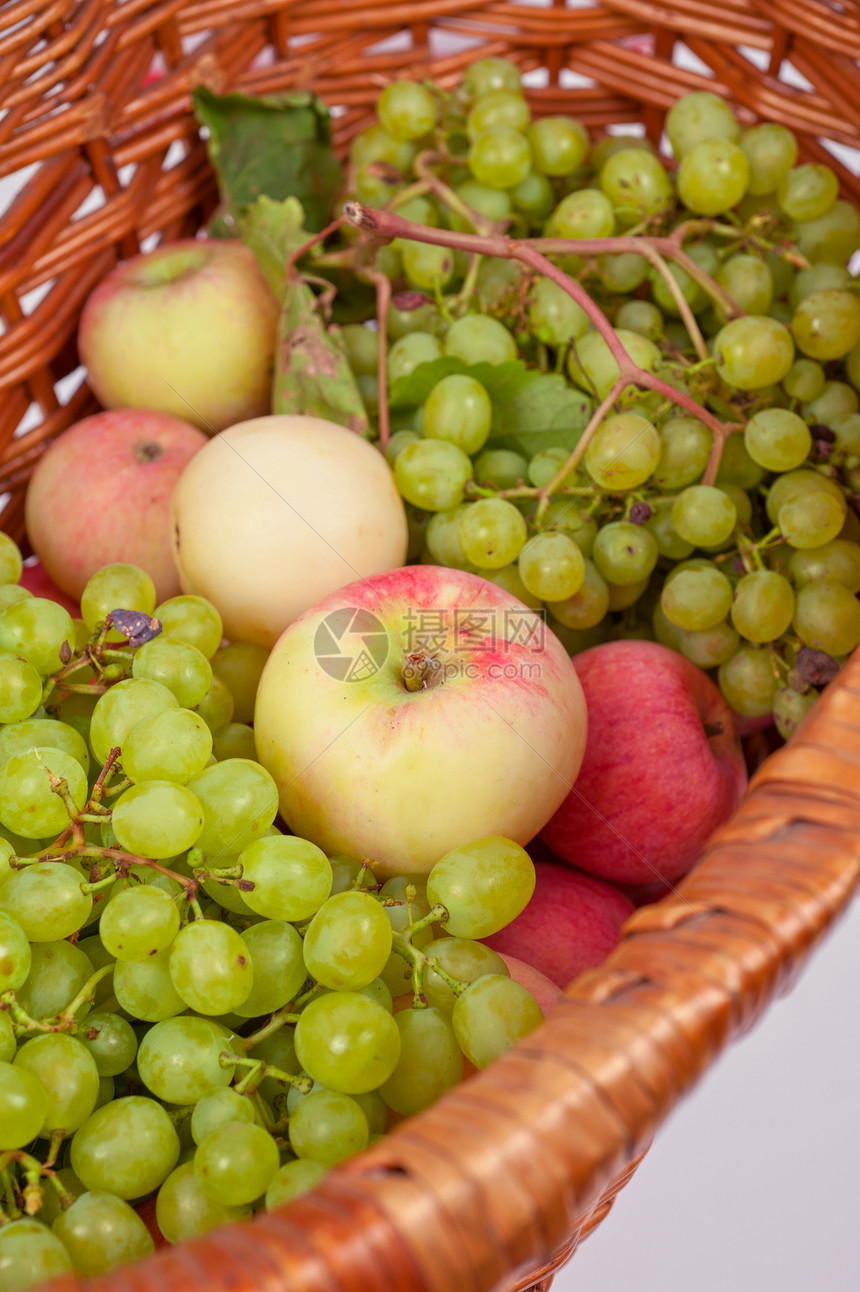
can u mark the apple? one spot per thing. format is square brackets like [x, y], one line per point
[415, 711]
[278, 512]
[662, 769]
[545, 992]
[571, 923]
[101, 493]
[35, 579]
[188, 329]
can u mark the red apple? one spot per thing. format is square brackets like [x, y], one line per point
[101, 493]
[187, 329]
[414, 711]
[35, 579]
[545, 992]
[571, 924]
[663, 766]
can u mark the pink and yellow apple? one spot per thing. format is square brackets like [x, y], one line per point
[663, 767]
[187, 329]
[417, 710]
[544, 990]
[101, 493]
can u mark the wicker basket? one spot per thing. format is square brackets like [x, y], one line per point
[492, 1189]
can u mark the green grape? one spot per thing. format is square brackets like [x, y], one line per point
[737, 467]
[121, 708]
[811, 519]
[12, 592]
[430, 1061]
[696, 599]
[19, 737]
[184, 670]
[492, 1014]
[808, 192]
[376, 184]
[696, 117]
[495, 280]
[499, 110]
[292, 1180]
[100, 1232]
[753, 352]
[483, 886]
[347, 1042]
[609, 144]
[460, 958]
[442, 537]
[127, 1148]
[641, 317]
[501, 159]
[8, 1040]
[115, 587]
[492, 533]
[489, 74]
[771, 151]
[510, 580]
[777, 439]
[376, 145]
[817, 278]
[763, 606]
[236, 740]
[407, 353]
[588, 213]
[704, 515]
[46, 900]
[622, 271]
[545, 466]
[98, 957]
[28, 805]
[348, 941]
[586, 608]
[623, 452]
[239, 666]
[554, 315]
[428, 267]
[748, 281]
[804, 380]
[397, 443]
[790, 708]
[20, 688]
[713, 176]
[792, 485]
[748, 682]
[235, 1163]
[15, 954]
[685, 447]
[240, 803]
[278, 965]
[158, 819]
[458, 410]
[826, 325]
[836, 400]
[216, 707]
[210, 967]
[835, 562]
[183, 1211]
[827, 617]
[593, 368]
[493, 203]
[412, 318]
[710, 647]
[11, 561]
[35, 629]
[291, 877]
[500, 467]
[216, 1109]
[278, 1050]
[173, 745]
[533, 197]
[139, 923]
[178, 1059]
[431, 474]
[328, 1127]
[743, 507]
[30, 1254]
[362, 351]
[636, 184]
[847, 429]
[194, 621]
[564, 515]
[145, 990]
[624, 553]
[551, 566]
[111, 1041]
[559, 145]
[23, 1108]
[665, 632]
[476, 338]
[833, 237]
[69, 1075]
[406, 109]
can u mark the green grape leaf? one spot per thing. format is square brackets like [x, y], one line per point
[274, 231]
[278, 146]
[532, 410]
[312, 374]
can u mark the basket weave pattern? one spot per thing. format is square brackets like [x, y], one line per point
[492, 1188]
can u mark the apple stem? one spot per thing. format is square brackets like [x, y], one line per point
[421, 672]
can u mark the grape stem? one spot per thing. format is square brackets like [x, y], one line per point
[279, 1019]
[383, 301]
[263, 1070]
[62, 1022]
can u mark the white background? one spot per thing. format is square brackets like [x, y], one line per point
[752, 1184]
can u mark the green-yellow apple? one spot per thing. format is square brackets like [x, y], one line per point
[276, 513]
[416, 711]
[187, 329]
[101, 493]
